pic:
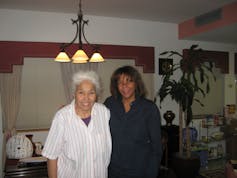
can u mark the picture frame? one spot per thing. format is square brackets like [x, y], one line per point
[165, 65]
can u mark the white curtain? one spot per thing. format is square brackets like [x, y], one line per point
[1, 141]
[68, 69]
[10, 87]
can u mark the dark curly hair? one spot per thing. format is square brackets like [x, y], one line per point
[135, 76]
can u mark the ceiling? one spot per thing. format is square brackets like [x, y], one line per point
[173, 11]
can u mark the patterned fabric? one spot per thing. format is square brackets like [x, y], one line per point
[82, 152]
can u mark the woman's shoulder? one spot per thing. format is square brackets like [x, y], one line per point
[63, 114]
[147, 101]
[109, 99]
[64, 109]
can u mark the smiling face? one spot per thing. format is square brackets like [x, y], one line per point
[126, 87]
[85, 97]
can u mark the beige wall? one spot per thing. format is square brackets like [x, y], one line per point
[214, 100]
[230, 89]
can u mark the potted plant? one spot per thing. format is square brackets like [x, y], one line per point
[195, 71]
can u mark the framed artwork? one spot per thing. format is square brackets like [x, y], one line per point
[165, 65]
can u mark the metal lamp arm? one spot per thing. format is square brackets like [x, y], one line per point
[65, 45]
[85, 22]
[80, 32]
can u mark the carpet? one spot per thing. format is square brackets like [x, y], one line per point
[218, 173]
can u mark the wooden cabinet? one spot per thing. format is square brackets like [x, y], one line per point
[173, 140]
[14, 170]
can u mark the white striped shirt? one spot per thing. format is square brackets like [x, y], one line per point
[82, 151]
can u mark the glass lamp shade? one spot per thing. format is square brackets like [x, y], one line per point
[80, 57]
[96, 57]
[62, 57]
[79, 61]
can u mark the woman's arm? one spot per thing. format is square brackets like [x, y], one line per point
[53, 144]
[154, 130]
[52, 168]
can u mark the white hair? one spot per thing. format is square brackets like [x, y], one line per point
[86, 75]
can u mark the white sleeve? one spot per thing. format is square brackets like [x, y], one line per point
[109, 141]
[54, 141]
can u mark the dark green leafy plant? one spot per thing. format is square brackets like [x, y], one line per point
[195, 71]
[194, 67]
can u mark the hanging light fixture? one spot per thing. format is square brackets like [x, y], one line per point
[80, 56]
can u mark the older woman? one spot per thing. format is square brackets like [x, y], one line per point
[135, 127]
[79, 142]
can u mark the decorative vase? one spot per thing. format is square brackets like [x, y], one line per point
[30, 137]
[169, 117]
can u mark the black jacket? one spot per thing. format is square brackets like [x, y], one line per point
[136, 139]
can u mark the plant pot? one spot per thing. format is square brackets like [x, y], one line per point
[185, 167]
